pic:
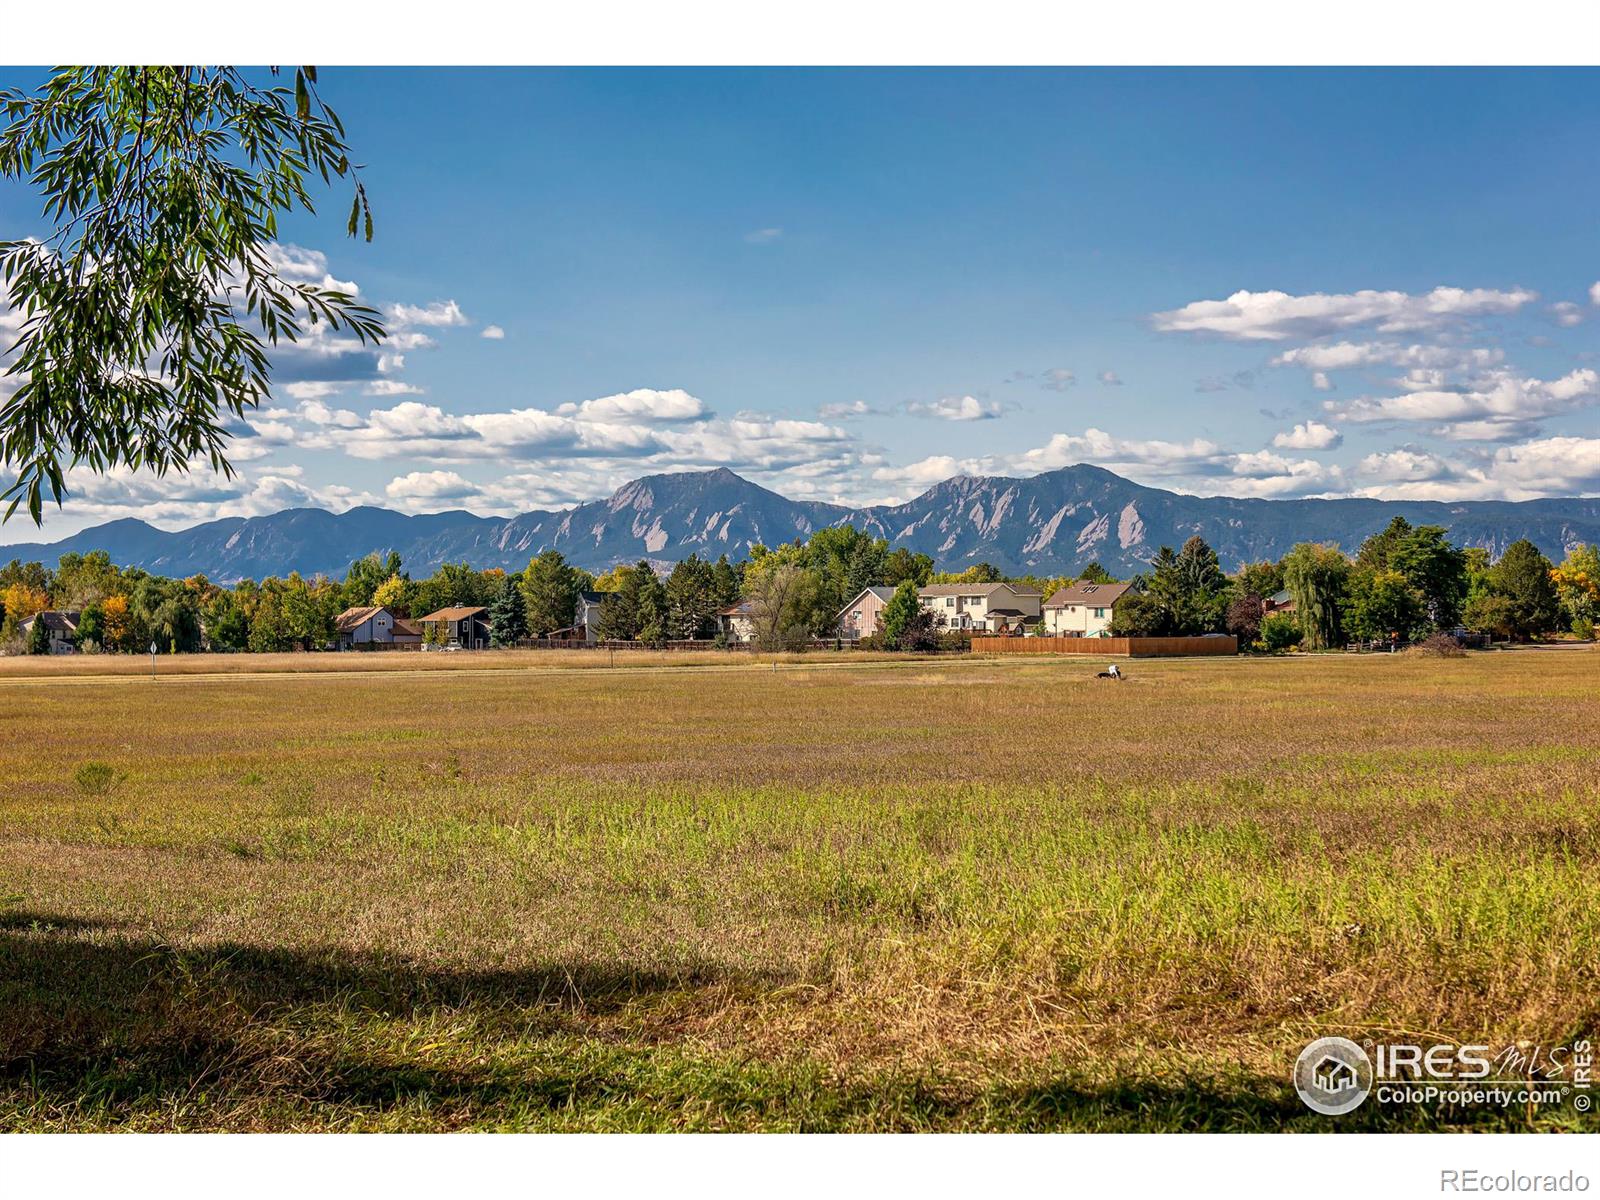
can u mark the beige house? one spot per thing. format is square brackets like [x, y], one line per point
[1083, 609]
[62, 628]
[863, 615]
[981, 607]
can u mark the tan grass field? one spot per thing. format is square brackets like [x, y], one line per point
[898, 895]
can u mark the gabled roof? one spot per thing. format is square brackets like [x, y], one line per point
[740, 608]
[973, 589]
[407, 628]
[55, 621]
[882, 593]
[459, 613]
[1096, 595]
[354, 618]
[593, 597]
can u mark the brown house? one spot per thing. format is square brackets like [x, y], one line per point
[460, 626]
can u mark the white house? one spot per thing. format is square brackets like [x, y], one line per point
[1083, 609]
[586, 616]
[981, 607]
[736, 622]
[373, 625]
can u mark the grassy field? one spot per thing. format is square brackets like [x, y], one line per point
[952, 895]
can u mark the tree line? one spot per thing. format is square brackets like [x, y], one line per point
[1403, 583]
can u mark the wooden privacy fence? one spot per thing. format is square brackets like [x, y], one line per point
[1117, 647]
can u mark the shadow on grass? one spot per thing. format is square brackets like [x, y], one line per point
[108, 1032]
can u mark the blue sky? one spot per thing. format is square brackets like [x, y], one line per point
[852, 284]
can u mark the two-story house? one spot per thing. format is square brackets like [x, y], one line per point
[1083, 609]
[373, 625]
[459, 626]
[981, 607]
[863, 616]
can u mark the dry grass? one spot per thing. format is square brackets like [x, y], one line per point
[898, 895]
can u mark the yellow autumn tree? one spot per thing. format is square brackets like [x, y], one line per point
[117, 625]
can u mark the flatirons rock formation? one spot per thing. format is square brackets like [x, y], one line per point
[1047, 524]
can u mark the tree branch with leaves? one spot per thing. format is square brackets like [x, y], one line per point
[148, 314]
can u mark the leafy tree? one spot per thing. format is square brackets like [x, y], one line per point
[1435, 570]
[692, 599]
[394, 593]
[150, 310]
[1383, 602]
[226, 627]
[38, 636]
[365, 577]
[20, 601]
[1577, 582]
[1522, 578]
[508, 617]
[32, 574]
[1376, 553]
[1315, 575]
[550, 593]
[1243, 619]
[977, 573]
[91, 634]
[1262, 579]
[454, 585]
[1095, 573]
[900, 612]
[901, 564]
[782, 599]
[81, 579]
[118, 625]
[1279, 632]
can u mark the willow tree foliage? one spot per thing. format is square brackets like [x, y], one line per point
[148, 313]
[1316, 576]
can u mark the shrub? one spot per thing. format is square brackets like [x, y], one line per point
[1441, 645]
[1280, 632]
[96, 778]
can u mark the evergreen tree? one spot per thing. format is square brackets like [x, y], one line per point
[508, 622]
[38, 636]
[901, 565]
[550, 593]
[727, 582]
[692, 602]
[1095, 573]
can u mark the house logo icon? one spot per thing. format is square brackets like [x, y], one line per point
[1333, 1076]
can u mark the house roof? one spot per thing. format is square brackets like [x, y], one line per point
[406, 628]
[459, 613]
[593, 597]
[1279, 599]
[354, 618]
[741, 608]
[55, 621]
[882, 593]
[1098, 595]
[973, 589]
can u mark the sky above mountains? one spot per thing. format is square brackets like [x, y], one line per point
[849, 285]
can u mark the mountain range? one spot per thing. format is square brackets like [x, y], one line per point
[1046, 524]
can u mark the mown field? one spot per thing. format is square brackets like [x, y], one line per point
[953, 895]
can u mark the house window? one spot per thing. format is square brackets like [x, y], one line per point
[1099, 612]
